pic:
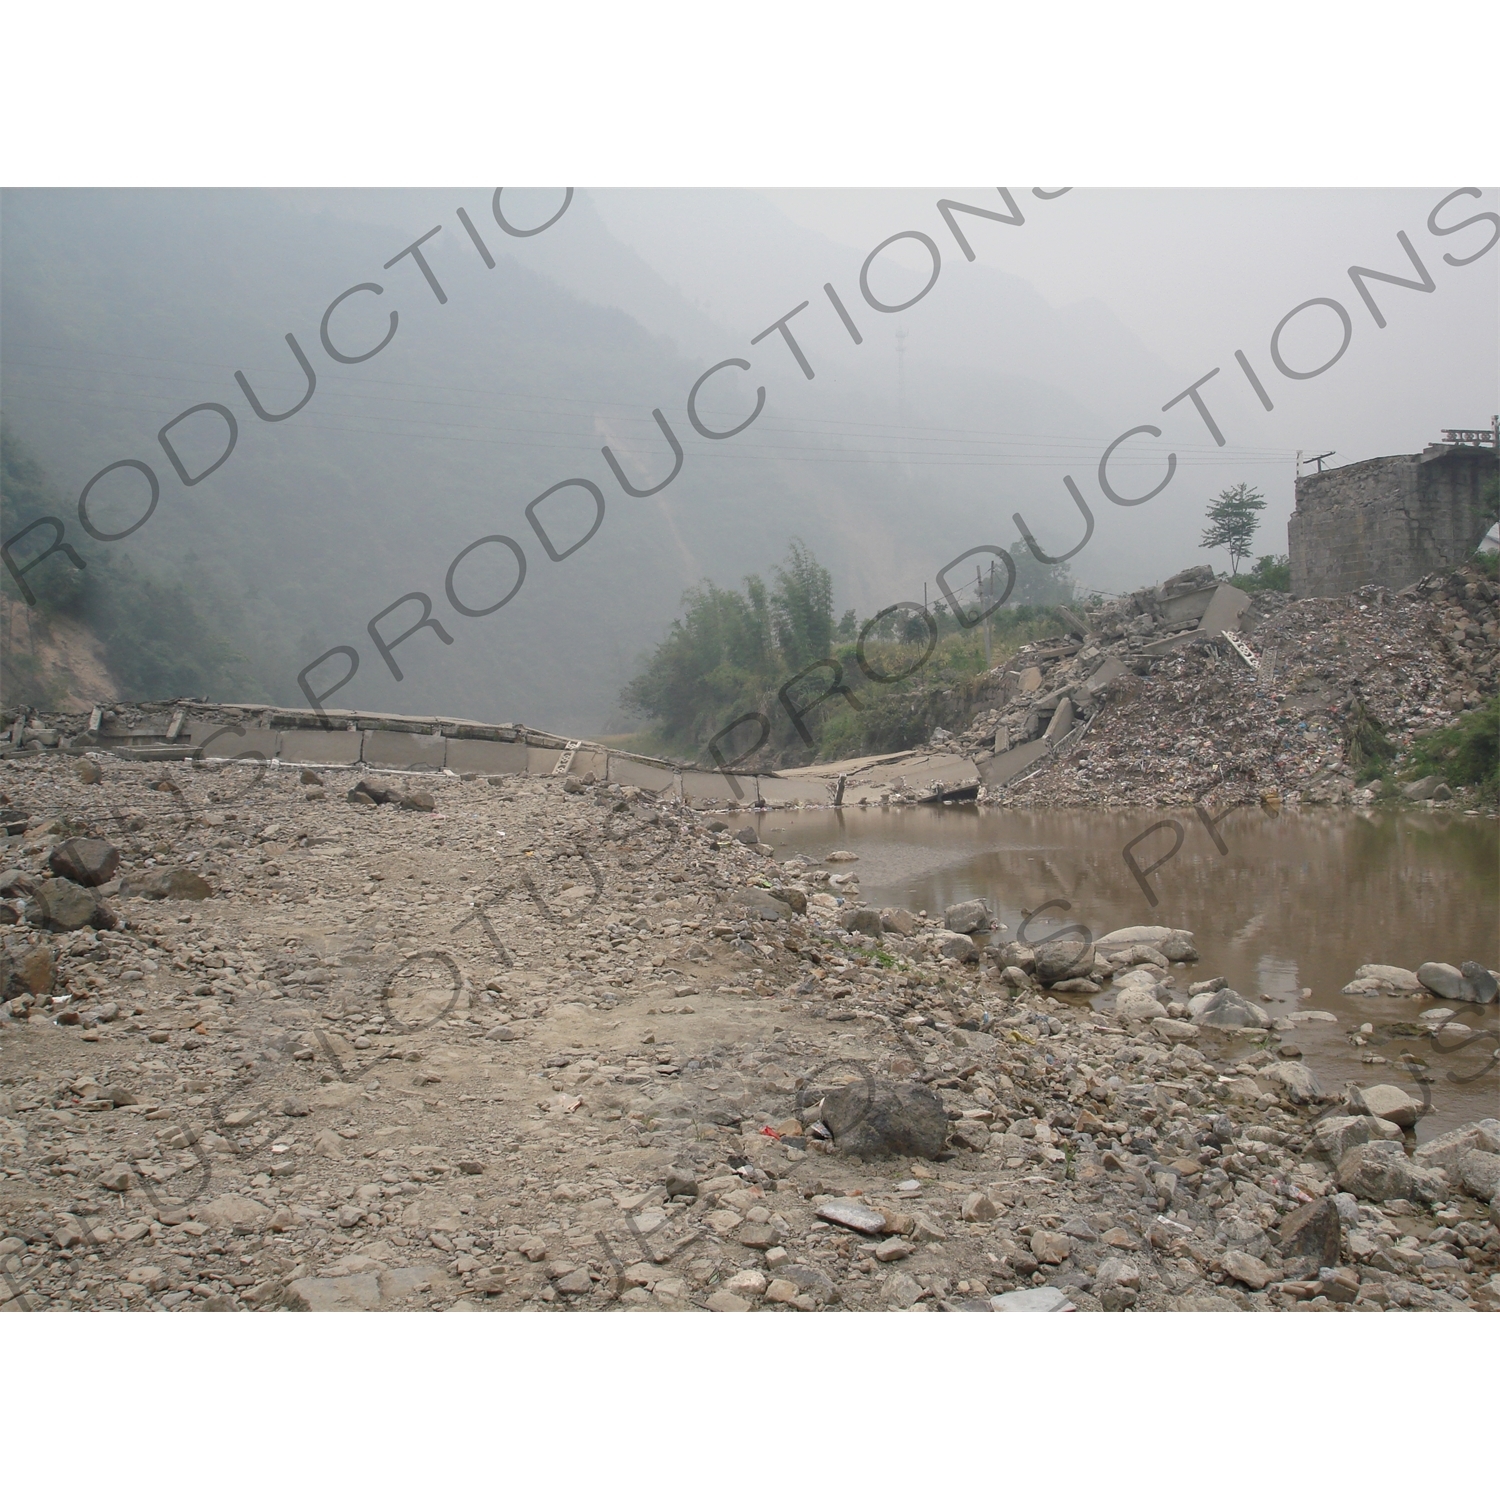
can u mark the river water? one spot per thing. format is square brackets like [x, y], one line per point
[1299, 901]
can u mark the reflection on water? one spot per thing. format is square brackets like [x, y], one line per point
[1300, 900]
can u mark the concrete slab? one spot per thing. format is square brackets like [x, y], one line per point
[587, 760]
[654, 778]
[486, 758]
[1062, 721]
[805, 788]
[1225, 611]
[541, 760]
[710, 786]
[319, 747]
[1004, 769]
[1107, 670]
[1184, 609]
[389, 751]
[225, 742]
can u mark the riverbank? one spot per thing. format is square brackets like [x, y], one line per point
[530, 1041]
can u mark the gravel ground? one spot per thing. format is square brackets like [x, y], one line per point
[560, 1048]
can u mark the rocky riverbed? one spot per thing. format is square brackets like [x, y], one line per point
[283, 1040]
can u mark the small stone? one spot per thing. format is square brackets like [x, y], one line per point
[853, 1214]
[295, 1107]
[575, 1283]
[726, 1301]
[895, 1248]
[86, 771]
[681, 1183]
[978, 1209]
[1033, 1299]
[782, 1291]
[1247, 1268]
[747, 1284]
[776, 1257]
[311, 778]
[759, 1236]
[417, 801]
[117, 1178]
[1049, 1248]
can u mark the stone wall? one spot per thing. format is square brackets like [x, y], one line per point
[1387, 520]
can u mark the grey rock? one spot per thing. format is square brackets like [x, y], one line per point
[1117, 1284]
[968, 916]
[359, 1293]
[1296, 1081]
[1310, 1234]
[1482, 988]
[1063, 958]
[898, 920]
[746, 836]
[1380, 1170]
[1386, 1102]
[1479, 1172]
[86, 862]
[176, 884]
[1033, 1299]
[61, 906]
[864, 920]
[1227, 1010]
[1337, 1134]
[681, 1183]
[1255, 1273]
[956, 945]
[418, 801]
[790, 896]
[1442, 979]
[1448, 1149]
[853, 1214]
[1178, 947]
[1421, 789]
[881, 1119]
[1382, 979]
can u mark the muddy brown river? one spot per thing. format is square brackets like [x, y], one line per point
[1299, 901]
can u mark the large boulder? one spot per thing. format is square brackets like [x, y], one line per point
[85, 861]
[175, 884]
[1380, 1171]
[1294, 1081]
[1337, 1134]
[60, 906]
[32, 972]
[1481, 987]
[1138, 1004]
[1227, 1010]
[1442, 979]
[969, 916]
[1063, 958]
[1382, 979]
[956, 945]
[1447, 1150]
[864, 920]
[1479, 1172]
[1310, 1235]
[1386, 1102]
[874, 1120]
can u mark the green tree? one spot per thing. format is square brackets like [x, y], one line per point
[1232, 521]
[1269, 572]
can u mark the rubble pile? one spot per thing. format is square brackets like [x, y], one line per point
[1146, 705]
[433, 1042]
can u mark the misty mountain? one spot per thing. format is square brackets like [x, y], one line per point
[121, 309]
